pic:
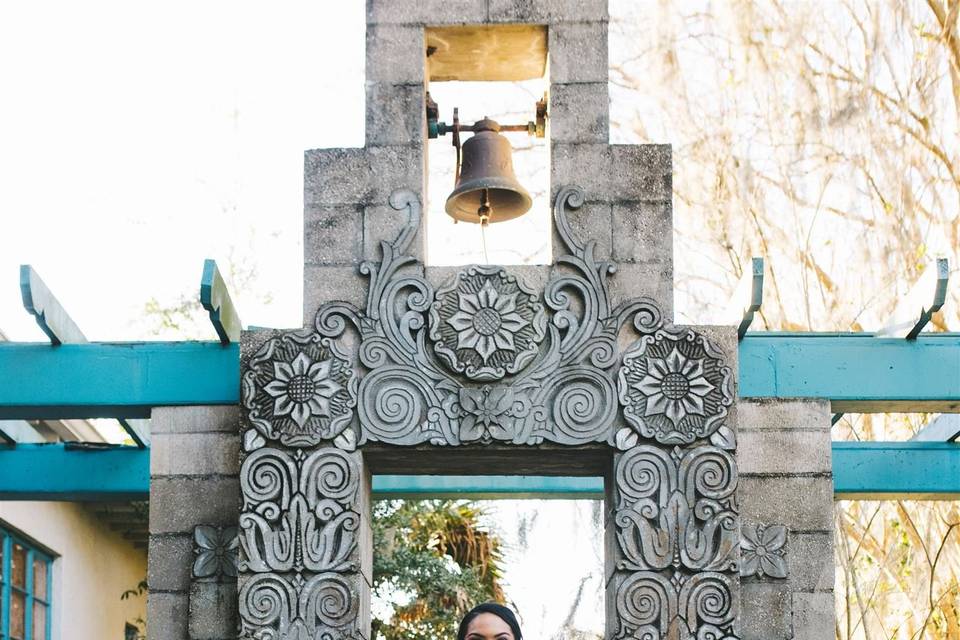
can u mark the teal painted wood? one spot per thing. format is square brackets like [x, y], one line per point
[114, 380]
[896, 470]
[69, 472]
[862, 470]
[857, 372]
[50, 315]
[484, 487]
[215, 298]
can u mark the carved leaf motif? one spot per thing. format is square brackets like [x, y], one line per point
[763, 550]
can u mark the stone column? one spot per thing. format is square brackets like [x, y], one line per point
[194, 492]
[786, 496]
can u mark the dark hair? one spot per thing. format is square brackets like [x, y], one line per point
[498, 610]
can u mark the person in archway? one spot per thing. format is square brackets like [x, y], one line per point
[489, 621]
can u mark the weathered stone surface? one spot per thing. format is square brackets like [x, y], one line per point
[592, 221]
[194, 419]
[785, 452]
[194, 454]
[765, 610]
[169, 560]
[324, 284]
[383, 222]
[813, 616]
[395, 54]
[578, 52]
[434, 12]
[549, 11]
[811, 561]
[395, 114]
[633, 280]
[613, 173]
[335, 176]
[332, 235]
[643, 232]
[178, 504]
[579, 112]
[213, 611]
[167, 615]
[801, 502]
[774, 413]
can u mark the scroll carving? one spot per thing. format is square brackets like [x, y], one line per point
[485, 358]
[298, 538]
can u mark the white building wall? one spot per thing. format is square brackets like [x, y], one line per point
[93, 566]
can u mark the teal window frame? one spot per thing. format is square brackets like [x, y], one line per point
[7, 540]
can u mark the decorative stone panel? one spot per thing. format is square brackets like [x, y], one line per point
[486, 358]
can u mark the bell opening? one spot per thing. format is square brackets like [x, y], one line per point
[519, 226]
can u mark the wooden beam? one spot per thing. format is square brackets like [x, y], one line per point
[215, 298]
[50, 315]
[861, 470]
[114, 380]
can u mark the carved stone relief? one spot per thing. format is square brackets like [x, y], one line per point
[215, 549]
[764, 549]
[484, 359]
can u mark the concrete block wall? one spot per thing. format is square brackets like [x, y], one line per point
[786, 478]
[628, 187]
[194, 466]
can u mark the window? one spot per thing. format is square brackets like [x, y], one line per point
[24, 590]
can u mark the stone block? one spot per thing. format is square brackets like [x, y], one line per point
[636, 280]
[802, 503]
[765, 611]
[383, 222]
[613, 173]
[592, 221]
[784, 452]
[335, 176]
[178, 504]
[578, 52]
[169, 559]
[810, 561]
[640, 172]
[395, 114]
[194, 419]
[325, 284]
[643, 232]
[332, 235]
[213, 611]
[579, 112]
[814, 616]
[167, 615]
[396, 54]
[584, 165]
[434, 12]
[773, 413]
[393, 168]
[547, 11]
[194, 454]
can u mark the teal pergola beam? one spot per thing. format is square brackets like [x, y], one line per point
[861, 470]
[114, 380]
[856, 372]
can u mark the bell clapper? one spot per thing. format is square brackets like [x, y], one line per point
[484, 213]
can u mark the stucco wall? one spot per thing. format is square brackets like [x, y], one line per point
[93, 567]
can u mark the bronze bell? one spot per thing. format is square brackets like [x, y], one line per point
[487, 190]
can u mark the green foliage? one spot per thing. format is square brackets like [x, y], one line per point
[433, 560]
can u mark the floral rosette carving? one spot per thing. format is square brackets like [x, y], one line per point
[300, 389]
[674, 387]
[486, 324]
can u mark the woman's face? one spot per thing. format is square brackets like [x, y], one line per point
[488, 626]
